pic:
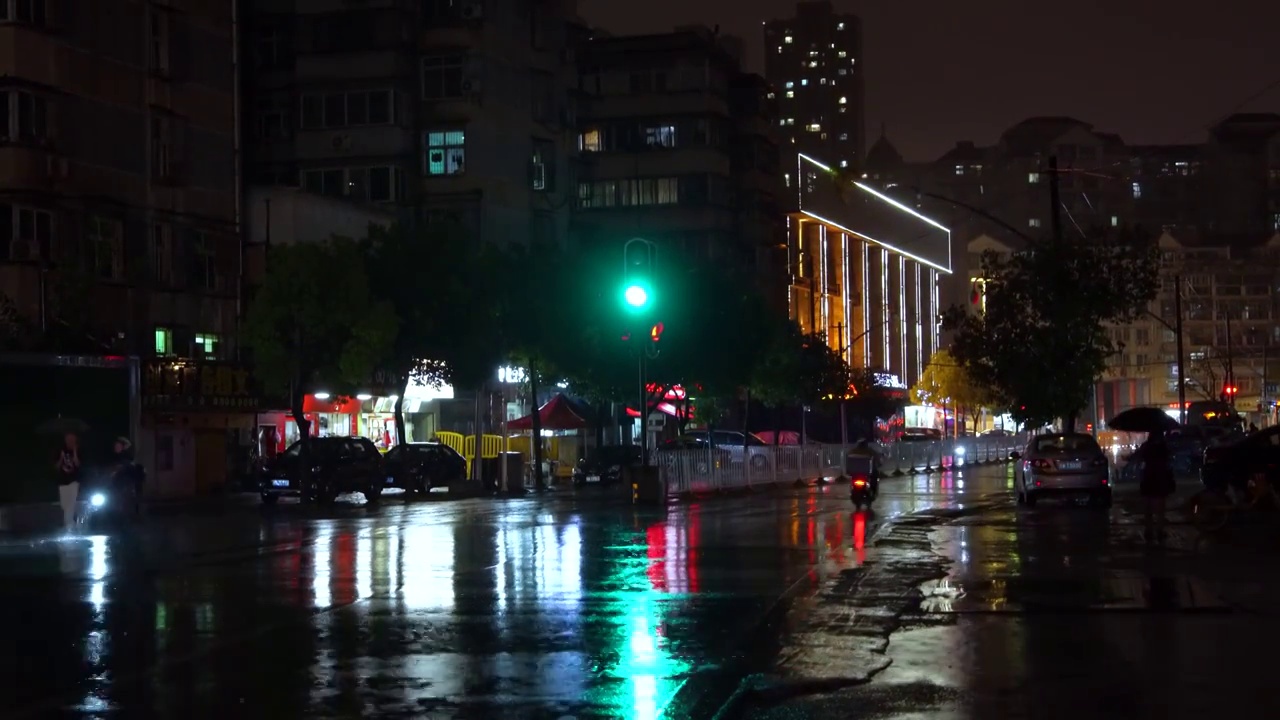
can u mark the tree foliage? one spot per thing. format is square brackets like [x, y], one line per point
[798, 368]
[315, 320]
[947, 382]
[1041, 343]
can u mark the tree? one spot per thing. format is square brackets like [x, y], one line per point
[314, 320]
[431, 314]
[798, 368]
[946, 382]
[1041, 343]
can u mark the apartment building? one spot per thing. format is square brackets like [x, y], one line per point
[120, 211]
[676, 144]
[437, 109]
[813, 61]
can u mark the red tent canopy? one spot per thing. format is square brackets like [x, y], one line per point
[556, 414]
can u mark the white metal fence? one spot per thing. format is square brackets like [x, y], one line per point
[734, 467]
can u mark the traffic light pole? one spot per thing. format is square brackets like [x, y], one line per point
[643, 407]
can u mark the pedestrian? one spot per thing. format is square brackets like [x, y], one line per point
[68, 467]
[1155, 484]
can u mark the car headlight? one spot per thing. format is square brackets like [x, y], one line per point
[97, 500]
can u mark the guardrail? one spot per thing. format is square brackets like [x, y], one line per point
[724, 467]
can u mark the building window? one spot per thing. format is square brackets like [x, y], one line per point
[598, 194]
[787, 39]
[542, 166]
[106, 241]
[446, 152]
[338, 110]
[442, 77]
[23, 116]
[959, 169]
[791, 93]
[650, 191]
[160, 254]
[660, 136]
[207, 346]
[1033, 222]
[590, 141]
[813, 127]
[161, 146]
[31, 12]
[844, 100]
[273, 49]
[25, 233]
[164, 342]
[1115, 221]
[273, 118]
[158, 41]
[1033, 178]
[204, 265]
[364, 184]
[1137, 191]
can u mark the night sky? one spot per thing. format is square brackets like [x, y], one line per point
[1152, 71]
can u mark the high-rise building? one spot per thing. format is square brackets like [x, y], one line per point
[814, 63]
[441, 109]
[677, 145]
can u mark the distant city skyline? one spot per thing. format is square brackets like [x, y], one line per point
[938, 72]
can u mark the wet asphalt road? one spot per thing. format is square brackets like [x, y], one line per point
[946, 602]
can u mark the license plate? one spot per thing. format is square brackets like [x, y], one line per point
[279, 483]
[593, 478]
[1070, 465]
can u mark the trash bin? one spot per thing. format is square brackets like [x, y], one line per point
[515, 472]
[646, 485]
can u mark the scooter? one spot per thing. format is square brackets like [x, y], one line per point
[863, 489]
[110, 498]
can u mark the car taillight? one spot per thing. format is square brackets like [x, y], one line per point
[1041, 464]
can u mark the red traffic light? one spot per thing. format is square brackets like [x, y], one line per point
[655, 333]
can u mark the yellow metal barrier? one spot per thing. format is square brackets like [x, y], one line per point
[490, 447]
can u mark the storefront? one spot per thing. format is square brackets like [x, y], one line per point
[196, 426]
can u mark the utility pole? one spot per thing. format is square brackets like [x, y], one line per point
[1177, 331]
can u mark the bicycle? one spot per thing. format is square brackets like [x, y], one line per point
[1212, 510]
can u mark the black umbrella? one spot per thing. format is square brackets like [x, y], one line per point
[1143, 420]
[62, 426]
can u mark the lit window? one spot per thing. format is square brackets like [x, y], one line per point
[824, 136]
[660, 136]
[844, 163]
[787, 39]
[1033, 178]
[842, 71]
[843, 100]
[840, 26]
[1115, 221]
[844, 136]
[1033, 222]
[791, 84]
[791, 93]
[1137, 191]
[813, 127]
[207, 346]
[813, 53]
[791, 121]
[804, 82]
[782, 121]
[589, 141]
[164, 342]
[779, 49]
[842, 54]
[446, 152]
[813, 63]
[843, 109]
[959, 169]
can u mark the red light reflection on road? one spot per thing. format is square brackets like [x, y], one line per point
[860, 535]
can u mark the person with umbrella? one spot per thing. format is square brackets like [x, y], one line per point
[1155, 482]
[68, 469]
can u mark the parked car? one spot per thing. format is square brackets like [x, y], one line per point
[338, 465]
[1062, 464]
[418, 467]
[728, 446]
[605, 464]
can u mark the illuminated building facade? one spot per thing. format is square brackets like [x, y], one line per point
[864, 270]
[813, 62]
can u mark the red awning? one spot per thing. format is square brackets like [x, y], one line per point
[556, 414]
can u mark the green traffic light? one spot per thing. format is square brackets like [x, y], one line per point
[636, 296]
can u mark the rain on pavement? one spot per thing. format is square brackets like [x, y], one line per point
[943, 603]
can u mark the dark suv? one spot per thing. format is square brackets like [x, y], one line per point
[338, 465]
[418, 467]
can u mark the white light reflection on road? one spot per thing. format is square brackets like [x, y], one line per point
[322, 573]
[426, 570]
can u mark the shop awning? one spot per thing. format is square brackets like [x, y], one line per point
[556, 414]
